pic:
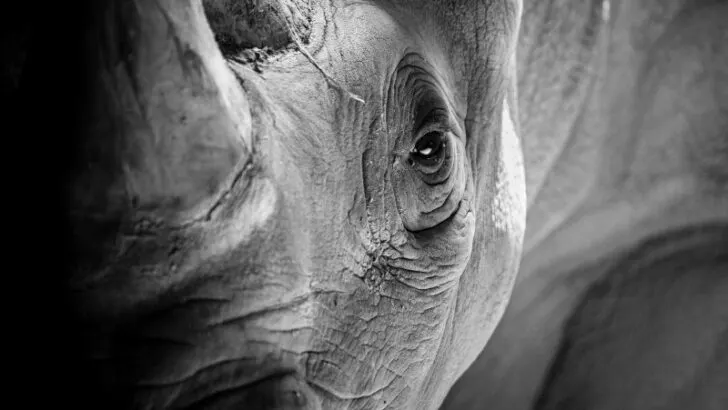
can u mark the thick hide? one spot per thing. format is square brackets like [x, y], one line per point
[294, 204]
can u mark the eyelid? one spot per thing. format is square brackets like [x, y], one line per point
[435, 122]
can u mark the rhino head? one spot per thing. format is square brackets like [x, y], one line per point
[294, 204]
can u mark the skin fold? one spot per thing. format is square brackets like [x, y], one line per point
[623, 120]
[259, 229]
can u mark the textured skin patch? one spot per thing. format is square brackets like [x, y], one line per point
[258, 24]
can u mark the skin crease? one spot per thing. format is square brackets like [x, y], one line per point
[245, 232]
[623, 123]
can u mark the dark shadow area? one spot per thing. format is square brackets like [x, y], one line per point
[43, 83]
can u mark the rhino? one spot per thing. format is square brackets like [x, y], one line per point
[399, 204]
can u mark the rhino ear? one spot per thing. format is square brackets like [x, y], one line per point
[169, 123]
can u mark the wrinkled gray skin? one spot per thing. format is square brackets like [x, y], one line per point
[256, 235]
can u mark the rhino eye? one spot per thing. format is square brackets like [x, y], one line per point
[429, 190]
[428, 150]
[430, 156]
[428, 168]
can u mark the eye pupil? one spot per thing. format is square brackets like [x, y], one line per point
[429, 145]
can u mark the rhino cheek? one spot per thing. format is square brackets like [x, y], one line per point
[487, 283]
